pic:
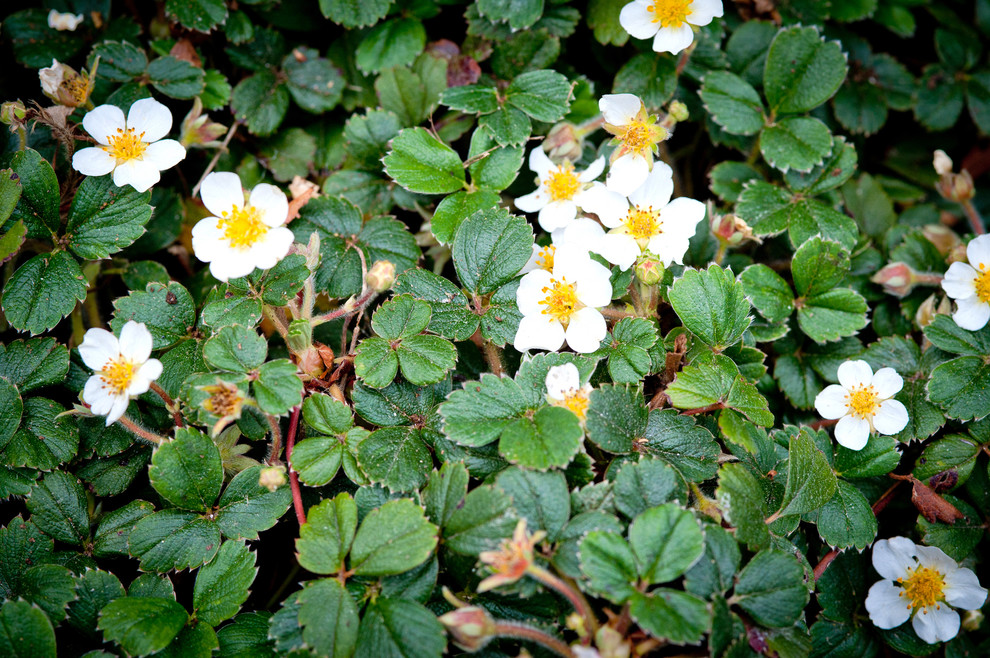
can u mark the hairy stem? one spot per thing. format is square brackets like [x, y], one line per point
[276, 441]
[170, 404]
[524, 632]
[973, 215]
[573, 596]
[216, 156]
[139, 431]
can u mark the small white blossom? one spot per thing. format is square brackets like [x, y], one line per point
[241, 236]
[670, 23]
[583, 233]
[564, 389]
[562, 189]
[637, 135]
[862, 403]
[923, 584]
[562, 304]
[132, 148]
[648, 221]
[969, 285]
[122, 368]
[62, 22]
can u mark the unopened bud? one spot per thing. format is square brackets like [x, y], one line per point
[957, 254]
[64, 21]
[730, 229]
[381, 276]
[897, 279]
[972, 619]
[12, 113]
[197, 131]
[649, 270]
[943, 237]
[956, 187]
[925, 314]
[678, 111]
[942, 163]
[563, 143]
[272, 477]
[299, 337]
[470, 627]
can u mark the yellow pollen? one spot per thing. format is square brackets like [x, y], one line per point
[126, 145]
[78, 90]
[577, 401]
[117, 375]
[923, 587]
[561, 300]
[670, 13]
[563, 184]
[242, 227]
[862, 401]
[544, 258]
[643, 223]
[983, 284]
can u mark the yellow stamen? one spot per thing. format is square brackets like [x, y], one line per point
[983, 284]
[126, 145]
[862, 401]
[563, 184]
[242, 227]
[639, 136]
[561, 300]
[544, 258]
[923, 587]
[117, 375]
[577, 401]
[670, 13]
[643, 223]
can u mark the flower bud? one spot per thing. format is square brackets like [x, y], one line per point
[470, 627]
[649, 270]
[12, 113]
[897, 279]
[957, 254]
[563, 143]
[925, 314]
[299, 338]
[730, 229]
[197, 131]
[64, 22]
[972, 619]
[942, 163]
[943, 237]
[678, 111]
[381, 276]
[272, 477]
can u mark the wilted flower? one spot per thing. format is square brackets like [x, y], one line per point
[562, 189]
[197, 131]
[862, 403]
[225, 402]
[241, 236]
[564, 142]
[62, 22]
[132, 148]
[943, 237]
[668, 22]
[637, 135]
[969, 285]
[64, 85]
[272, 477]
[122, 368]
[923, 584]
[513, 559]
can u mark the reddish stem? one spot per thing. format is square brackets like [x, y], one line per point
[818, 424]
[170, 404]
[702, 410]
[290, 443]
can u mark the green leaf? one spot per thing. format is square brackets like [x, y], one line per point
[609, 564]
[26, 631]
[831, 174]
[541, 498]
[235, 348]
[645, 484]
[13, 238]
[484, 519]
[716, 570]
[549, 440]
[397, 628]
[616, 417]
[246, 508]
[960, 388]
[111, 535]
[59, 508]
[41, 419]
[798, 143]
[421, 163]
[652, 78]
[94, 590]
[395, 42]
[667, 540]
[495, 168]
[717, 380]
[870, 204]
[671, 615]
[42, 291]
[396, 457]
[490, 248]
[368, 136]
[38, 206]
[861, 107]
[222, 586]
[959, 539]
[392, 539]
[375, 362]
[176, 78]
[832, 315]
[260, 101]
[628, 359]
[174, 539]
[412, 94]
[11, 410]
[200, 15]
[450, 315]
[119, 61]
[278, 387]
[167, 310]
[768, 292]
[771, 589]
[508, 126]
[728, 179]
[744, 505]
[50, 587]
[677, 440]
[325, 539]
[946, 335]
[187, 471]
[314, 83]
[329, 618]
[454, 209]
[445, 491]
[810, 480]
[603, 19]
[142, 625]
[326, 414]
[193, 641]
[246, 637]
[712, 305]
[847, 520]
[401, 317]
[473, 98]
[355, 13]
[543, 95]
[878, 457]
[819, 266]
[732, 103]
[802, 70]
[31, 364]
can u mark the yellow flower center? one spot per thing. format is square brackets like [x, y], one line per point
[224, 400]
[561, 300]
[242, 227]
[117, 375]
[544, 258]
[641, 135]
[78, 89]
[670, 13]
[923, 587]
[643, 224]
[126, 145]
[983, 284]
[862, 401]
[577, 401]
[563, 184]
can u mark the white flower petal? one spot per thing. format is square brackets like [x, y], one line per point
[135, 341]
[103, 121]
[682, 216]
[971, 314]
[538, 332]
[886, 607]
[268, 251]
[561, 380]
[962, 590]
[656, 189]
[938, 623]
[272, 203]
[891, 417]
[230, 265]
[136, 173]
[960, 281]
[582, 233]
[594, 287]
[627, 173]
[619, 109]
[93, 161]
[164, 154]
[557, 214]
[831, 402]
[978, 252]
[150, 117]
[619, 249]
[636, 19]
[221, 191]
[673, 39]
[531, 263]
[535, 201]
[149, 371]
[703, 11]
[102, 400]
[893, 557]
[852, 433]
[593, 171]
[855, 373]
[611, 207]
[98, 347]
[117, 409]
[935, 558]
[530, 292]
[586, 330]
[669, 248]
[93, 391]
[540, 163]
[887, 383]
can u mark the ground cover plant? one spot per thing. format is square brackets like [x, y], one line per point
[420, 327]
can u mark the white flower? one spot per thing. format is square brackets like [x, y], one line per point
[562, 304]
[63, 22]
[241, 236]
[122, 368]
[668, 22]
[636, 136]
[583, 233]
[561, 191]
[862, 403]
[51, 78]
[969, 285]
[921, 583]
[647, 222]
[564, 389]
[131, 148]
